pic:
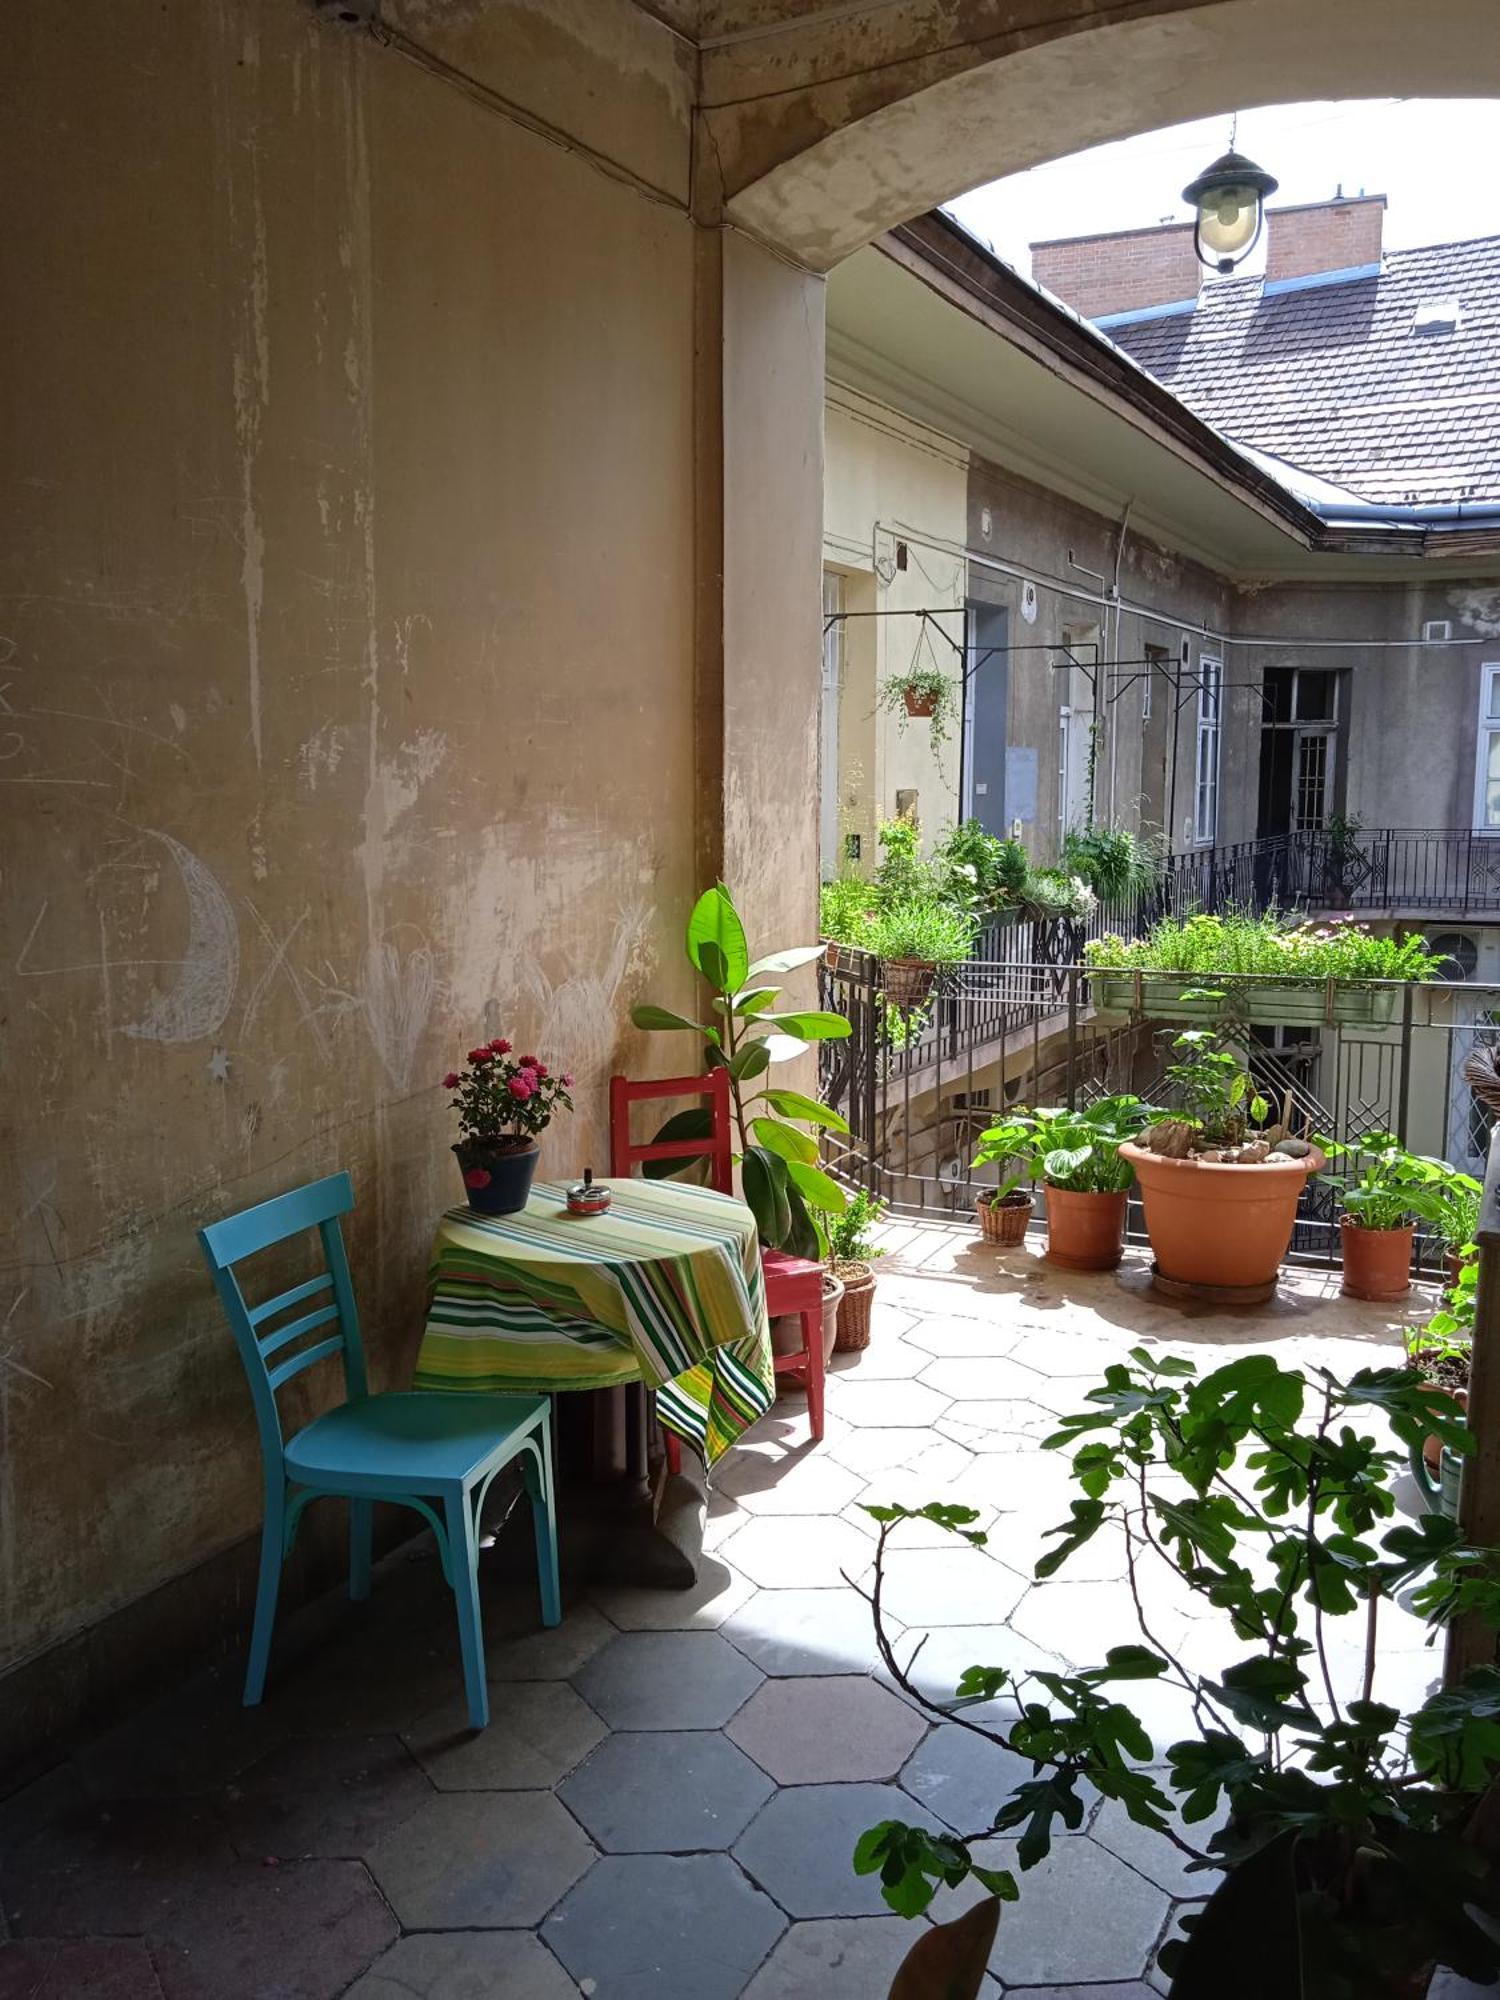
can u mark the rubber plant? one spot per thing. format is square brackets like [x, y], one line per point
[786, 1189]
[1356, 1845]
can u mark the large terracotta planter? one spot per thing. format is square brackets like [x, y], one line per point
[1219, 1232]
[1085, 1232]
[1377, 1262]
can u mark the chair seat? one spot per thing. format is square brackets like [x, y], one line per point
[793, 1284]
[418, 1437]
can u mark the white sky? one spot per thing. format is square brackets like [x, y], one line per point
[1436, 162]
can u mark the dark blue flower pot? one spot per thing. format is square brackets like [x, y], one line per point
[508, 1172]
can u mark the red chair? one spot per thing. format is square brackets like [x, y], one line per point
[794, 1285]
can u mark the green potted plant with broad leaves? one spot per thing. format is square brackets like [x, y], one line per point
[1076, 1155]
[978, 872]
[1381, 1206]
[922, 694]
[852, 1249]
[1441, 1348]
[1356, 1842]
[787, 1190]
[1457, 1219]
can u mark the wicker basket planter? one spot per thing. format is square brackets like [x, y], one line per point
[854, 1307]
[1005, 1221]
[907, 981]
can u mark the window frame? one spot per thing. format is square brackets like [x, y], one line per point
[1209, 727]
[1487, 725]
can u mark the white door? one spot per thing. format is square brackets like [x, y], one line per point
[828, 727]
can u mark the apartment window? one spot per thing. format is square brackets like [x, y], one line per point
[1487, 786]
[1206, 762]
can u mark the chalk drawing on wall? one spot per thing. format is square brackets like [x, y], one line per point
[193, 1007]
[397, 1000]
[579, 1023]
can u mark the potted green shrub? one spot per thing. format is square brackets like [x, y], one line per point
[787, 1190]
[1115, 864]
[1076, 1155]
[1355, 1842]
[922, 694]
[914, 938]
[1220, 1186]
[1380, 1209]
[504, 1104]
[1441, 1350]
[851, 1250]
[978, 872]
[1261, 968]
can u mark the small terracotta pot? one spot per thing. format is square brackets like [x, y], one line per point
[919, 706]
[1005, 1221]
[1085, 1232]
[1218, 1231]
[833, 1295]
[854, 1310]
[1377, 1262]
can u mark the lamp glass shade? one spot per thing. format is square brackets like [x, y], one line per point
[1228, 218]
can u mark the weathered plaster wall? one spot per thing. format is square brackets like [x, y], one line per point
[891, 480]
[347, 691]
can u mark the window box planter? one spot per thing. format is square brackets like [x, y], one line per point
[1342, 1003]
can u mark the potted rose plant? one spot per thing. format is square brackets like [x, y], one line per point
[504, 1102]
[1077, 1156]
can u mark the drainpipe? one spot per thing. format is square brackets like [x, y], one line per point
[1114, 651]
[1349, 513]
[1103, 648]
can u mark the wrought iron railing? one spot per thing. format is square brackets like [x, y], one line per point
[1400, 870]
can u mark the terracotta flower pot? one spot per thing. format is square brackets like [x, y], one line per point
[1219, 1232]
[1085, 1232]
[920, 707]
[855, 1307]
[1377, 1262]
[1005, 1221]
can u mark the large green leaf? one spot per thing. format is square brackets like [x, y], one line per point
[817, 1189]
[753, 1060]
[784, 1048]
[785, 961]
[763, 1177]
[753, 1000]
[698, 1123]
[805, 1237]
[792, 1104]
[657, 1018]
[785, 1139]
[813, 1027]
[716, 941]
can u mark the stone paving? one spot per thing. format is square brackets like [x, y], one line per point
[667, 1798]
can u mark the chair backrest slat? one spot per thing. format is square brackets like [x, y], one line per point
[227, 1243]
[285, 1370]
[259, 1314]
[285, 1335]
[625, 1153]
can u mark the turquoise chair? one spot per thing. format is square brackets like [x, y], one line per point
[434, 1452]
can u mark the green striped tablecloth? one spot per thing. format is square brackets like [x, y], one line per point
[664, 1288]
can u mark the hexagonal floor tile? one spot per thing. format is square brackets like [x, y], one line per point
[1151, 1854]
[886, 1359]
[886, 1404]
[826, 1730]
[310, 1927]
[801, 1847]
[467, 1861]
[963, 1778]
[985, 1379]
[718, 1591]
[1043, 1939]
[666, 1792]
[783, 1483]
[1064, 1353]
[539, 1731]
[836, 1958]
[641, 1926]
[432, 1967]
[77, 1869]
[948, 1651]
[881, 1448]
[668, 1680]
[806, 1632]
[1008, 1424]
[957, 1585]
[802, 1553]
[554, 1653]
[78, 1969]
[964, 1337]
[330, 1795]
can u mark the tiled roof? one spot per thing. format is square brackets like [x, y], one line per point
[1335, 378]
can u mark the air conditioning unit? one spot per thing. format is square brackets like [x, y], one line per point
[1468, 955]
[1437, 631]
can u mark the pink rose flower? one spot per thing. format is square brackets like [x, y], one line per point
[539, 1070]
[500, 1046]
[477, 1056]
[450, 1081]
[530, 1062]
[477, 1177]
[520, 1087]
[567, 1079]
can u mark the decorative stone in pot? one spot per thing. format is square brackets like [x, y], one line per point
[1003, 1217]
[497, 1179]
[1377, 1262]
[1085, 1232]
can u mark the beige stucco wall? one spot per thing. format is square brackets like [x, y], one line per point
[348, 685]
[890, 480]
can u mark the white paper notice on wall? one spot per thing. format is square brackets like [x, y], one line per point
[1028, 602]
[1020, 783]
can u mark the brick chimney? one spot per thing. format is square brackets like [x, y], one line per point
[1122, 272]
[1339, 235]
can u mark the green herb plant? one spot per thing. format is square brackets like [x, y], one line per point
[1075, 1150]
[1393, 1187]
[1343, 1825]
[1115, 864]
[1210, 1085]
[977, 871]
[788, 1192]
[1271, 943]
[850, 1238]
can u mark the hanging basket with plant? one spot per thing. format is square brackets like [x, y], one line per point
[922, 694]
